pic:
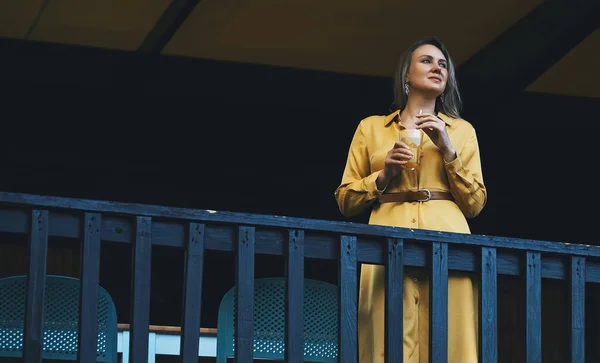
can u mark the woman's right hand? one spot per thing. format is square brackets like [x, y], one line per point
[395, 161]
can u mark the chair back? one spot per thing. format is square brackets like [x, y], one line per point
[61, 319]
[320, 321]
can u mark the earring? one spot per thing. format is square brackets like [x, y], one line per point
[406, 88]
[442, 98]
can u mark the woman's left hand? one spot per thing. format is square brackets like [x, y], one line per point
[435, 128]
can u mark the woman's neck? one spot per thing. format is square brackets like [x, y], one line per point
[415, 106]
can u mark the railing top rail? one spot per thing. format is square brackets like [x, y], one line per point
[208, 216]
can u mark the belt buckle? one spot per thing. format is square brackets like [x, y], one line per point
[428, 195]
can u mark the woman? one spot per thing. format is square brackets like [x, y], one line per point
[375, 177]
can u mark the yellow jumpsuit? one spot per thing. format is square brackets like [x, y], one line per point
[462, 177]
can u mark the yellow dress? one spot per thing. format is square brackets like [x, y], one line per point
[357, 192]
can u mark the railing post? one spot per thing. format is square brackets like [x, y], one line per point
[244, 302]
[294, 310]
[394, 345]
[439, 303]
[533, 302]
[33, 337]
[489, 306]
[577, 309]
[192, 293]
[348, 344]
[89, 282]
[140, 307]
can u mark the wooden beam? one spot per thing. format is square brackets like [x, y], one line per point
[508, 65]
[165, 28]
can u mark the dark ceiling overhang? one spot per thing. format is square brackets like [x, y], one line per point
[507, 65]
[502, 69]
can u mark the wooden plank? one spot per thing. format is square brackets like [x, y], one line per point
[348, 327]
[394, 346]
[89, 286]
[489, 306]
[244, 301]
[294, 310]
[533, 303]
[555, 267]
[192, 293]
[439, 303]
[168, 329]
[74, 204]
[592, 271]
[14, 220]
[140, 307]
[33, 337]
[577, 309]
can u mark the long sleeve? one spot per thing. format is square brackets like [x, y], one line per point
[466, 179]
[358, 188]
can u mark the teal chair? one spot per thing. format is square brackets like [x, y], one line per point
[61, 319]
[320, 321]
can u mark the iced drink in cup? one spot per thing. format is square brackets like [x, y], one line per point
[412, 138]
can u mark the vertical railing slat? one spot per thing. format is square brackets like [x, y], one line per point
[439, 303]
[244, 302]
[577, 309]
[394, 328]
[140, 307]
[533, 302]
[33, 338]
[294, 312]
[348, 327]
[489, 306]
[192, 293]
[89, 285]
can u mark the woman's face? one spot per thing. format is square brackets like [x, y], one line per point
[428, 71]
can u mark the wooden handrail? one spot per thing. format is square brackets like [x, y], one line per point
[271, 221]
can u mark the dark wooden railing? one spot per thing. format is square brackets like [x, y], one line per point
[144, 226]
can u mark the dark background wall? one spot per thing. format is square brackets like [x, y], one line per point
[205, 134]
[246, 138]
